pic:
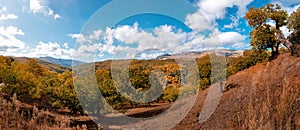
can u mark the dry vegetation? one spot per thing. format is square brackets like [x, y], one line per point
[265, 96]
[17, 115]
[274, 97]
[271, 111]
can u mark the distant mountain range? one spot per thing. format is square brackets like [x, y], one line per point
[53, 64]
[62, 62]
[228, 53]
[222, 52]
[53, 67]
[61, 65]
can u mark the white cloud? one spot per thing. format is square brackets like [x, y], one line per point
[290, 10]
[162, 37]
[66, 45]
[198, 22]
[241, 46]
[80, 38]
[57, 16]
[216, 40]
[211, 10]
[286, 32]
[88, 48]
[40, 6]
[150, 56]
[119, 40]
[127, 34]
[96, 35]
[8, 40]
[235, 22]
[8, 16]
[234, 40]
[3, 9]
[216, 9]
[242, 7]
[51, 13]
[228, 38]
[35, 6]
[11, 30]
[52, 49]
[86, 52]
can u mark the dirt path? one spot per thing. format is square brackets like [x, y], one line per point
[184, 112]
[167, 119]
[170, 115]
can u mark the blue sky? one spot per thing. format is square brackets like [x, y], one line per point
[105, 29]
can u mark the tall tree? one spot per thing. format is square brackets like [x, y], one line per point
[264, 36]
[294, 26]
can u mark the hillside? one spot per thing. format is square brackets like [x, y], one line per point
[265, 96]
[227, 53]
[49, 65]
[62, 62]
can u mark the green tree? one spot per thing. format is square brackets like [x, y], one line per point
[204, 66]
[249, 58]
[264, 36]
[5, 69]
[294, 25]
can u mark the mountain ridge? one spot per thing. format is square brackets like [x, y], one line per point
[53, 67]
[63, 62]
[199, 54]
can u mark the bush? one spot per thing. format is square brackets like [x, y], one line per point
[249, 58]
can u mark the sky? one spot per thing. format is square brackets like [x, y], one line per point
[93, 30]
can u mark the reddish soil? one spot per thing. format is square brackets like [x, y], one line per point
[249, 86]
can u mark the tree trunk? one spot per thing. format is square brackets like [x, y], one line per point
[273, 52]
[277, 48]
[294, 49]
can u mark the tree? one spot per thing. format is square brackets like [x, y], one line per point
[262, 38]
[249, 58]
[265, 36]
[256, 17]
[294, 25]
[5, 69]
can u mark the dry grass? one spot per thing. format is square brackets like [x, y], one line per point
[274, 99]
[14, 116]
[273, 110]
[266, 96]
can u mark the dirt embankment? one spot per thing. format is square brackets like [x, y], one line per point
[265, 96]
